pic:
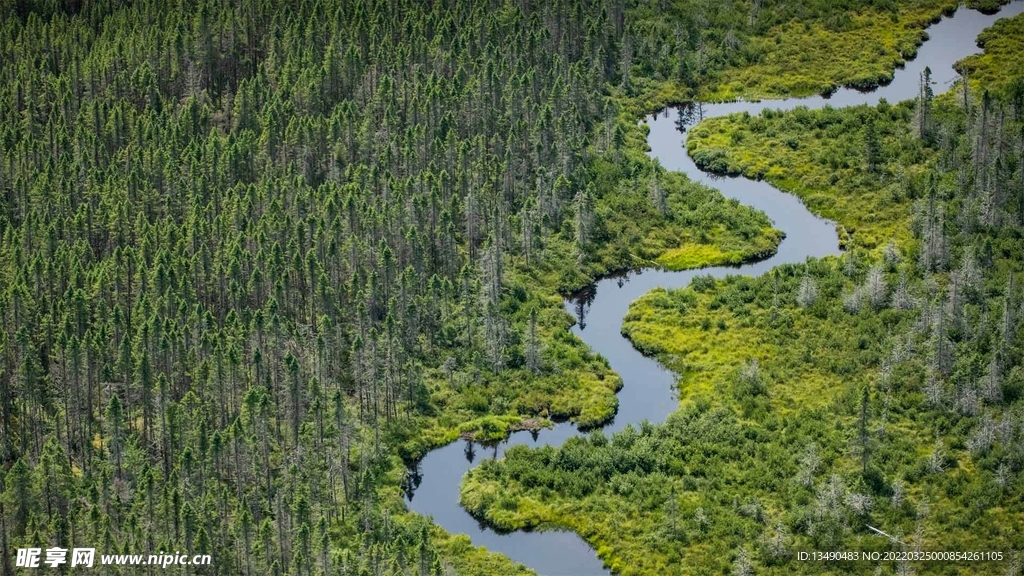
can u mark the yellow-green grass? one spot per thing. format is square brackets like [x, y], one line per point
[818, 155]
[470, 560]
[698, 255]
[706, 358]
[607, 524]
[1001, 64]
[695, 255]
[854, 49]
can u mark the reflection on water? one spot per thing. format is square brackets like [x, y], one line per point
[582, 298]
[689, 114]
[412, 480]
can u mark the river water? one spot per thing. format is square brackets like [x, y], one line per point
[648, 391]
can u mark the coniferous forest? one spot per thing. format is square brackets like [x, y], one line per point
[258, 257]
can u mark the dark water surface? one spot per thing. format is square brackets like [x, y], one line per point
[648, 391]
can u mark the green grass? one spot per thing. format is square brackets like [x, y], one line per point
[820, 156]
[699, 255]
[705, 344]
[857, 49]
[1000, 65]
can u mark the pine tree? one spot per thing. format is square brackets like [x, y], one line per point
[18, 498]
[923, 111]
[807, 294]
[583, 223]
[863, 435]
[657, 193]
[115, 425]
[533, 351]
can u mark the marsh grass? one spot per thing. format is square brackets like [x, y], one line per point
[820, 156]
[858, 49]
[1001, 64]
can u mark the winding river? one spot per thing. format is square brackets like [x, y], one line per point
[648, 391]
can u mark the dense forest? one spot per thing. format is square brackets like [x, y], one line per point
[255, 255]
[882, 388]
